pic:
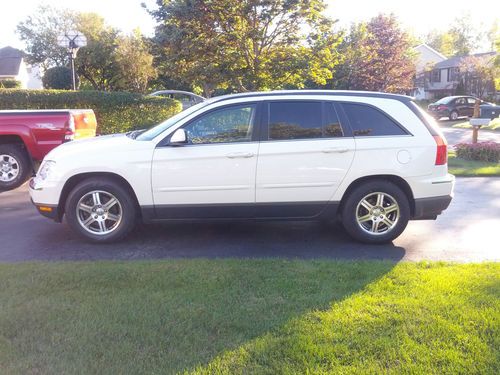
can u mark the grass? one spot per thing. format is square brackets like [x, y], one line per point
[494, 125]
[472, 168]
[249, 316]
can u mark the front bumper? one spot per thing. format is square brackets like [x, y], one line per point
[46, 199]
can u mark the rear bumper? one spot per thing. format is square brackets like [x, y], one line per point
[430, 208]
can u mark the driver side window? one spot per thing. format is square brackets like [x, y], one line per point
[226, 125]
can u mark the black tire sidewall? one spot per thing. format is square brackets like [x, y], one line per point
[451, 115]
[25, 166]
[113, 187]
[349, 211]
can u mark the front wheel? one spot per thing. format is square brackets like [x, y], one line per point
[100, 210]
[376, 212]
[15, 166]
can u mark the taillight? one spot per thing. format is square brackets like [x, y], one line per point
[69, 133]
[442, 150]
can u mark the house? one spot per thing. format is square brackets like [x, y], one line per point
[438, 76]
[426, 58]
[13, 67]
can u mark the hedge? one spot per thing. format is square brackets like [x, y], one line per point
[10, 84]
[116, 112]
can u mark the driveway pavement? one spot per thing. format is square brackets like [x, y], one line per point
[458, 135]
[467, 232]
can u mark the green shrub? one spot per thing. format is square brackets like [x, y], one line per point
[116, 112]
[482, 151]
[10, 84]
[58, 77]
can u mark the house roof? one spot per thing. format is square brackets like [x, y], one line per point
[432, 50]
[10, 61]
[455, 61]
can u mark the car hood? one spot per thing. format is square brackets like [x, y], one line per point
[100, 146]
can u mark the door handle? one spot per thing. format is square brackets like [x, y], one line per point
[335, 150]
[236, 155]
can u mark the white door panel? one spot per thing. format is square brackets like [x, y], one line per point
[302, 170]
[205, 174]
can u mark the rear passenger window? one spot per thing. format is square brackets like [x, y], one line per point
[295, 120]
[368, 121]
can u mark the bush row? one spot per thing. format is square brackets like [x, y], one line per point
[9, 84]
[116, 112]
[483, 151]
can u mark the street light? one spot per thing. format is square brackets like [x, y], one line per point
[72, 40]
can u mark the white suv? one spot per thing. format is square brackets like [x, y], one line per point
[373, 160]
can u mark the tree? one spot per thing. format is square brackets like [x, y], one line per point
[245, 44]
[443, 42]
[376, 56]
[460, 39]
[40, 31]
[102, 63]
[58, 77]
[135, 62]
[478, 74]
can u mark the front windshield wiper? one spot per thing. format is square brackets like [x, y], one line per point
[134, 133]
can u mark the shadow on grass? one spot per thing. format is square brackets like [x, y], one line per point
[158, 317]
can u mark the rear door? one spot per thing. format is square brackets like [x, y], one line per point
[304, 155]
[471, 102]
[461, 106]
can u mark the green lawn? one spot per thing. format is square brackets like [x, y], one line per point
[249, 316]
[471, 168]
[494, 125]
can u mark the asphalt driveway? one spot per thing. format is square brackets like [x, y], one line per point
[467, 232]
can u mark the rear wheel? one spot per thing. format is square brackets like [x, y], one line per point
[376, 212]
[15, 166]
[100, 210]
[454, 115]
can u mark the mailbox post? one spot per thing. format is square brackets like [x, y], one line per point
[476, 121]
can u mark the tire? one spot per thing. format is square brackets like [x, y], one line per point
[453, 116]
[92, 213]
[366, 229]
[15, 166]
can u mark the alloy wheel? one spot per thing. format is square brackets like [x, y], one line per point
[99, 212]
[9, 168]
[377, 213]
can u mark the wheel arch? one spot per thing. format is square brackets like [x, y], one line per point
[76, 179]
[396, 180]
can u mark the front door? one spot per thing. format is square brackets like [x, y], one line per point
[303, 158]
[213, 176]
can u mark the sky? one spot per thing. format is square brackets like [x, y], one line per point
[420, 16]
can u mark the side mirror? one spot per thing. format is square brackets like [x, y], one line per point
[179, 138]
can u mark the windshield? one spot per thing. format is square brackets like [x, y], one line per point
[445, 100]
[160, 128]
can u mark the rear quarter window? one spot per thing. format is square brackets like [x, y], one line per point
[366, 120]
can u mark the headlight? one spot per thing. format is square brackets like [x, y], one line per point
[45, 170]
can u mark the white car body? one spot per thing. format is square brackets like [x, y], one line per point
[220, 177]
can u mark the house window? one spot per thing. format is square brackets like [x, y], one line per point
[436, 75]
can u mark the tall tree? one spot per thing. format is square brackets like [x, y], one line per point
[110, 61]
[39, 32]
[135, 62]
[245, 44]
[462, 38]
[377, 56]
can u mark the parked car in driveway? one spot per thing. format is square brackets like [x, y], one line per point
[372, 160]
[27, 136]
[453, 107]
[187, 99]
